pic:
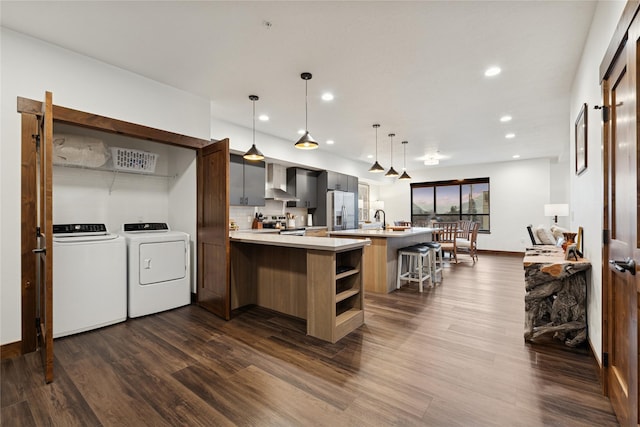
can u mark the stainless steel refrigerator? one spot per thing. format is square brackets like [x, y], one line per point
[341, 210]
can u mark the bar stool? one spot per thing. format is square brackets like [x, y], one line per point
[418, 265]
[436, 266]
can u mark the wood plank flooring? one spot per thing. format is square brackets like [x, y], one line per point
[452, 356]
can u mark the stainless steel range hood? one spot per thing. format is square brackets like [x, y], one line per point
[277, 184]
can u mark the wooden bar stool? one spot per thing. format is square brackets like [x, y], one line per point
[418, 265]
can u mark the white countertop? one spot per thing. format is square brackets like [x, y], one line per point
[302, 242]
[382, 233]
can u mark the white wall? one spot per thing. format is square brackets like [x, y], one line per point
[519, 190]
[586, 190]
[31, 67]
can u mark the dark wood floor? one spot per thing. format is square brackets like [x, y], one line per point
[452, 356]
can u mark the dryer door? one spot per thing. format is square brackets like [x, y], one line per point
[162, 261]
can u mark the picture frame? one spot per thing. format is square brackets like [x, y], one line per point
[581, 140]
[580, 241]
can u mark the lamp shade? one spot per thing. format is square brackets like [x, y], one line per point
[561, 209]
[556, 210]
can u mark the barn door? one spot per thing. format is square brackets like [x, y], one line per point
[44, 228]
[213, 228]
[621, 284]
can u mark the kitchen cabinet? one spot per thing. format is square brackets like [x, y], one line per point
[246, 182]
[341, 182]
[303, 184]
[318, 280]
[352, 184]
[316, 232]
[337, 181]
[329, 181]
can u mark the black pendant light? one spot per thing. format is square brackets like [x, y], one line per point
[405, 176]
[306, 142]
[254, 154]
[376, 168]
[391, 173]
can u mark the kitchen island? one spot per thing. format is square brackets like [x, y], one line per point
[319, 279]
[381, 257]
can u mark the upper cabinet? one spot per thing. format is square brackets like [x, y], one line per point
[246, 182]
[339, 181]
[303, 184]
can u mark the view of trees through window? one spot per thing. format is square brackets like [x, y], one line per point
[451, 201]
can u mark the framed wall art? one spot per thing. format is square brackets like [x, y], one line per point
[581, 140]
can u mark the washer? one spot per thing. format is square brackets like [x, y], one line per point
[158, 268]
[89, 278]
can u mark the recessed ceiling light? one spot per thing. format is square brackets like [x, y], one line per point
[263, 118]
[516, 156]
[301, 132]
[330, 141]
[492, 71]
[505, 119]
[370, 156]
[327, 96]
[510, 135]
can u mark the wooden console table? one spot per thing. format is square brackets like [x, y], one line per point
[556, 293]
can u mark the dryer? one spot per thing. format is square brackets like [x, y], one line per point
[158, 268]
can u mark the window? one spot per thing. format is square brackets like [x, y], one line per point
[363, 202]
[451, 201]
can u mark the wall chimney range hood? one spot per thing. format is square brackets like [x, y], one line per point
[277, 184]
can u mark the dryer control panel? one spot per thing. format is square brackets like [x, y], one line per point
[145, 227]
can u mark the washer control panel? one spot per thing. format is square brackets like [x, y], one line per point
[77, 229]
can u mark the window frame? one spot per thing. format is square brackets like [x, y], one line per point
[460, 183]
[364, 197]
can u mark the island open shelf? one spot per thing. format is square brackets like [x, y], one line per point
[381, 257]
[318, 279]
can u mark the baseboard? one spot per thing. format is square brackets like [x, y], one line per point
[506, 253]
[8, 351]
[599, 368]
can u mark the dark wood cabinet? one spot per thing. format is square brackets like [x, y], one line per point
[303, 184]
[337, 181]
[332, 181]
[341, 182]
[246, 182]
[352, 184]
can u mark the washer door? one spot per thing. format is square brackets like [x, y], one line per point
[162, 261]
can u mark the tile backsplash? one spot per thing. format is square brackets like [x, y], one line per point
[243, 215]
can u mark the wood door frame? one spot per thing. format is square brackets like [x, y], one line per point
[31, 110]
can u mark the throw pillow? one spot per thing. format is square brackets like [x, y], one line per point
[557, 231]
[545, 236]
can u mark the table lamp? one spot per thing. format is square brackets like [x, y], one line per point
[556, 210]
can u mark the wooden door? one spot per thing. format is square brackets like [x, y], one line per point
[621, 288]
[213, 228]
[29, 213]
[44, 250]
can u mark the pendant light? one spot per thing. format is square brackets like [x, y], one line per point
[405, 176]
[376, 168]
[391, 173]
[306, 142]
[254, 154]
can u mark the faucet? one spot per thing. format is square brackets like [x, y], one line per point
[384, 218]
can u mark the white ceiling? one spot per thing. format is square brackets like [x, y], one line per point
[414, 67]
